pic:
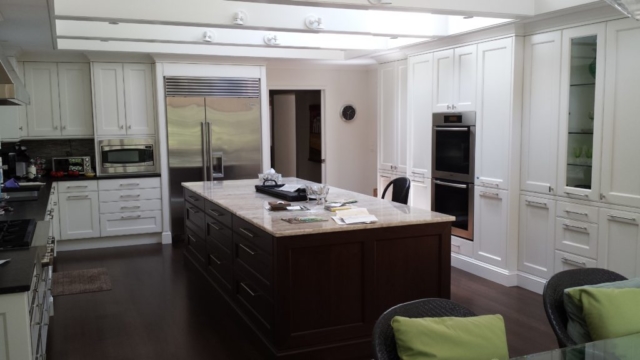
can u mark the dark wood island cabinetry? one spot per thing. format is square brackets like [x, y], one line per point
[314, 291]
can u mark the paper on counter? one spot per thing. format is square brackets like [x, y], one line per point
[354, 216]
[290, 188]
[4, 261]
[352, 212]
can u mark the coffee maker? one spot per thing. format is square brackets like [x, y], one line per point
[14, 162]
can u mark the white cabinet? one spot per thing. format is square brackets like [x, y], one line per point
[620, 145]
[392, 137]
[79, 215]
[565, 261]
[43, 114]
[493, 116]
[420, 80]
[536, 240]
[131, 223]
[619, 242]
[13, 119]
[383, 180]
[581, 112]
[491, 226]
[75, 99]
[577, 237]
[123, 97]
[454, 79]
[420, 194]
[541, 101]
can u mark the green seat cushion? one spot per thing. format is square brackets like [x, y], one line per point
[577, 326]
[609, 312]
[450, 338]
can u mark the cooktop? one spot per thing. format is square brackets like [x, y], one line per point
[16, 234]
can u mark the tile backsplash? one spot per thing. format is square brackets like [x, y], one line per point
[49, 149]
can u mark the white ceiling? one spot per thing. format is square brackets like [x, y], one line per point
[26, 26]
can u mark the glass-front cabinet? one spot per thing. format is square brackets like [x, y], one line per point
[581, 111]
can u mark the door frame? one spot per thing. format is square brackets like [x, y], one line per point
[323, 122]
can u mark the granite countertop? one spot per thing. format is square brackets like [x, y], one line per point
[103, 177]
[34, 209]
[241, 199]
[16, 275]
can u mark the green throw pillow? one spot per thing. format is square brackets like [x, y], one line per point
[609, 313]
[450, 338]
[577, 325]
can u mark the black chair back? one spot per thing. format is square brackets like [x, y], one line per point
[553, 296]
[400, 193]
[384, 341]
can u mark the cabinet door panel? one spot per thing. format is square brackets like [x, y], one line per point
[10, 123]
[43, 114]
[494, 112]
[620, 165]
[75, 99]
[108, 93]
[541, 112]
[420, 114]
[577, 237]
[442, 80]
[464, 78]
[138, 91]
[421, 194]
[619, 242]
[490, 227]
[79, 215]
[536, 242]
[388, 104]
[401, 140]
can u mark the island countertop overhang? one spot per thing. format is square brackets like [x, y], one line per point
[240, 198]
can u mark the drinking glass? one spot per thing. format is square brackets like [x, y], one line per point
[310, 191]
[322, 191]
[577, 152]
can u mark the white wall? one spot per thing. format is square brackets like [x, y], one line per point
[349, 148]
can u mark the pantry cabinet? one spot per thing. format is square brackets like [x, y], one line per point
[392, 79]
[541, 101]
[491, 226]
[454, 79]
[619, 242]
[536, 240]
[420, 80]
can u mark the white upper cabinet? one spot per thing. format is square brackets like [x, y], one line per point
[581, 112]
[443, 80]
[402, 71]
[420, 115]
[138, 94]
[493, 115]
[75, 99]
[43, 114]
[387, 111]
[491, 226]
[541, 101]
[536, 253]
[464, 78]
[13, 119]
[620, 145]
[108, 96]
[619, 242]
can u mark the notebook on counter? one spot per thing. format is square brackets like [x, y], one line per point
[354, 216]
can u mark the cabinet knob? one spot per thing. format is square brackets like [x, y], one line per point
[20, 128]
[121, 126]
[129, 127]
[64, 127]
[448, 107]
[55, 127]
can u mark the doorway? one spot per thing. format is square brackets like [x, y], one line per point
[297, 133]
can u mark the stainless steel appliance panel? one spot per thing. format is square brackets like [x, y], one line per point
[127, 156]
[455, 199]
[454, 142]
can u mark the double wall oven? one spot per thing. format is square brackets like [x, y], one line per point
[453, 162]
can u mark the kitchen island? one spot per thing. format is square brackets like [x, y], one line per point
[314, 290]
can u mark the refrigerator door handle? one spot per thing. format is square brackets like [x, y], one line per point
[205, 157]
[210, 147]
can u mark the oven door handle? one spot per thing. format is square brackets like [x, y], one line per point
[450, 184]
[466, 129]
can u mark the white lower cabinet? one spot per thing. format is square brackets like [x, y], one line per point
[383, 181]
[491, 226]
[79, 217]
[619, 242]
[536, 240]
[420, 193]
[577, 237]
[131, 223]
[462, 246]
[565, 261]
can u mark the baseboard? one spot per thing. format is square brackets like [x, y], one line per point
[531, 282]
[489, 272]
[166, 238]
[106, 242]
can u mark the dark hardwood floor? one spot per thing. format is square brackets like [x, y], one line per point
[160, 309]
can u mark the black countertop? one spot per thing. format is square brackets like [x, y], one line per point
[35, 209]
[103, 177]
[16, 275]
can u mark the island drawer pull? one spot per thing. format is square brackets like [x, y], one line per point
[616, 217]
[193, 198]
[247, 249]
[194, 210]
[216, 260]
[77, 197]
[576, 212]
[248, 290]
[582, 228]
[192, 239]
[247, 232]
[130, 184]
[215, 226]
[574, 262]
[216, 213]
[536, 203]
[131, 216]
[129, 196]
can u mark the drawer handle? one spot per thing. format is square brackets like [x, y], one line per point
[216, 213]
[129, 207]
[247, 249]
[616, 217]
[129, 196]
[77, 187]
[77, 197]
[246, 232]
[385, 176]
[194, 210]
[216, 260]
[215, 226]
[488, 184]
[248, 290]
[576, 213]
[582, 228]
[191, 239]
[536, 203]
[490, 194]
[574, 194]
[574, 262]
[131, 216]
[130, 184]
[193, 198]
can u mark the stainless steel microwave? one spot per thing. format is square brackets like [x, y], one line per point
[126, 156]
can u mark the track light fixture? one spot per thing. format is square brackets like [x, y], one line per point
[208, 36]
[314, 22]
[271, 39]
[239, 18]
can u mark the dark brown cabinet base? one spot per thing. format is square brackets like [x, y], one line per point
[317, 296]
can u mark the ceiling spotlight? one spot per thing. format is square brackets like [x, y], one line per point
[314, 22]
[114, 23]
[104, 40]
[380, 2]
[271, 39]
[207, 36]
[468, 17]
[239, 18]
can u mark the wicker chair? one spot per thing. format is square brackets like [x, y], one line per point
[384, 341]
[553, 296]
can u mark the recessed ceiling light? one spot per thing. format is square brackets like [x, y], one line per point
[394, 38]
[468, 17]
[104, 40]
[114, 23]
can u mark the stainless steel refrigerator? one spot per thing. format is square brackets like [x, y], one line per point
[214, 133]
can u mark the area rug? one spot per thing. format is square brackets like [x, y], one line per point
[81, 281]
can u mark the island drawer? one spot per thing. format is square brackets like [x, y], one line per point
[258, 305]
[219, 233]
[253, 258]
[194, 199]
[197, 245]
[220, 264]
[194, 218]
[259, 238]
[218, 213]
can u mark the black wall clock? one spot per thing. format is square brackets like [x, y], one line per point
[348, 113]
